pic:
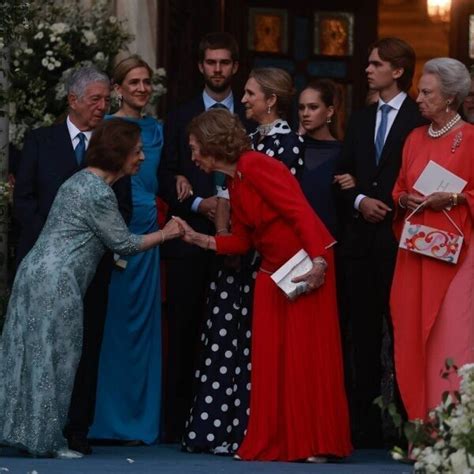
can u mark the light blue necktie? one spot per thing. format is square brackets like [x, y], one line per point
[380, 137]
[219, 178]
[80, 149]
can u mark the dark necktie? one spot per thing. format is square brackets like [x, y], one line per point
[80, 149]
[380, 137]
[219, 178]
[218, 105]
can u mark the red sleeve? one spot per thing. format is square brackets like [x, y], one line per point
[239, 242]
[281, 191]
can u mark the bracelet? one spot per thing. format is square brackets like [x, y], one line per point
[454, 199]
[400, 202]
[162, 241]
[208, 242]
[320, 261]
[221, 231]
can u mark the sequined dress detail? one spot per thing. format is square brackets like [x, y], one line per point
[42, 338]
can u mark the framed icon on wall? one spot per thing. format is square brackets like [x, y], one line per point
[268, 30]
[333, 33]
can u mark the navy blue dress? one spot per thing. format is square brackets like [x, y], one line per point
[320, 164]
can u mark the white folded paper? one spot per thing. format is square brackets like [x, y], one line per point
[436, 178]
[297, 265]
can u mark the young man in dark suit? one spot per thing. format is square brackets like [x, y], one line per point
[50, 156]
[188, 267]
[372, 155]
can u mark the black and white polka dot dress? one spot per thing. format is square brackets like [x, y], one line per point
[218, 418]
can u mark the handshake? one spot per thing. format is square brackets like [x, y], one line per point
[177, 227]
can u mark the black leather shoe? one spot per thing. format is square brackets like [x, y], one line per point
[79, 444]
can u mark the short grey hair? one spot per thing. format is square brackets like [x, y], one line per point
[454, 78]
[80, 79]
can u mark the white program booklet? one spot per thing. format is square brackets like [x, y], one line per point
[436, 178]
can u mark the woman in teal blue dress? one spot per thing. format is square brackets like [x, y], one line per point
[128, 406]
[42, 338]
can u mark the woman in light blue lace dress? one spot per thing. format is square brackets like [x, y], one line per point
[42, 339]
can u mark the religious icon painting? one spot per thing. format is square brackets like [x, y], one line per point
[268, 30]
[333, 33]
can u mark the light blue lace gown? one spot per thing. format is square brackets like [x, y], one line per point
[42, 339]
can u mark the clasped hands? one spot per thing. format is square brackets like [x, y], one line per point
[437, 201]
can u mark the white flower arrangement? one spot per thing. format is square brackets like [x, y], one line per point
[60, 37]
[445, 443]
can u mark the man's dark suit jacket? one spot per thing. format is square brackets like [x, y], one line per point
[362, 238]
[47, 161]
[177, 160]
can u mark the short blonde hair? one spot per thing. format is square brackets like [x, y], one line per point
[220, 134]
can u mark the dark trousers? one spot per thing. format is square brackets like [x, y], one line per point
[187, 281]
[82, 408]
[366, 294]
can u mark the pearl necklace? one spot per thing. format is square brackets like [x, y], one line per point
[446, 128]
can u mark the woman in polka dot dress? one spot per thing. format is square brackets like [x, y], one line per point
[218, 418]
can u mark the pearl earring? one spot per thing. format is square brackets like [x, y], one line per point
[328, 120]
[448, 103]
[269, 110]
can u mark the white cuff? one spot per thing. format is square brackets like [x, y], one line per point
[195, 204]
[357, 201]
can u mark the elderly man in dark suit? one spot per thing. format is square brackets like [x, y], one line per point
[188, 267]
[50, 156]
[372, 155]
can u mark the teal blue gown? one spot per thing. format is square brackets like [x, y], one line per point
[129, 386]
[41, 342]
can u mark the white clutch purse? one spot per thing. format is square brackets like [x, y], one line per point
[297, 265]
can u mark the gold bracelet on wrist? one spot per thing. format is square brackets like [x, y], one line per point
[454, 199]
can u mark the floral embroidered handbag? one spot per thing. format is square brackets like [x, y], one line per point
[432, 242]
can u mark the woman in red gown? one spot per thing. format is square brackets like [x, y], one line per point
[298, 407]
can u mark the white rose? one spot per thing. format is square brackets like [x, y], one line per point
[99, 56]
[161, 72]
[16, 63]
[28, 51]
[49, 53]
[59, 28]
[44, 62]
[112, 19]
[38, 35]
[50, 67]
[90, 37]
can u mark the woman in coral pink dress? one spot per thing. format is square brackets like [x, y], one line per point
[298, 408]
[432, 302]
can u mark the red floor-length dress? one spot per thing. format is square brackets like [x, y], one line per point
[432, 302]
[298, 406]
